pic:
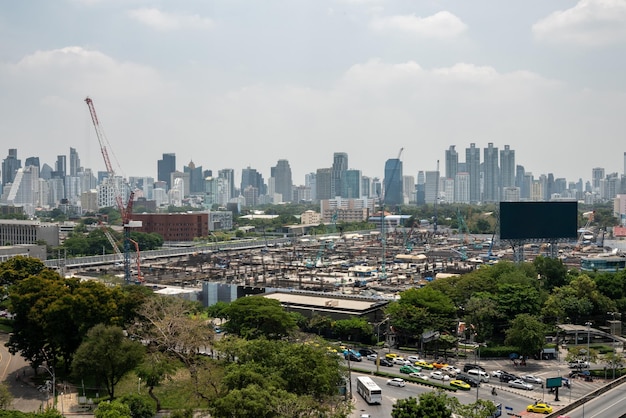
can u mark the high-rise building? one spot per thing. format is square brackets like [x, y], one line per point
[310, 181]
[491, 170]
[251, 177]
[196, 178]
[408, 186]
[323, 181]
[392, 188]
[10, 165]
[507, 167]
[281, 173]
[60, 167]
[165, 167]
[431, 187]
[338, 173]
[228, 174]
[462, 187]
[597, 174]
[34, 161]
[452, 162]
[351, 184]
[472, 161]
[74, 162]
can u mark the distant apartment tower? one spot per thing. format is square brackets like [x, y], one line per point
[10, 165]
[310, 181]
[281, 173]
[165, 167]
[392, 188]
[431, 187]
[351, 184]
[408, 187]
[472, 161]
[507, 167]
[74, 162]
[452, 162]
[228, 174]
[491, 173]
[338, 172]
[323, 182]
[60, 167]
[462, 188]
[196, 178]
[251, 177]
[597, 174]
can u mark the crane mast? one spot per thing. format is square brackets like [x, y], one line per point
[126, 211]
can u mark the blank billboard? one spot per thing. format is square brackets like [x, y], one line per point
[538, 220]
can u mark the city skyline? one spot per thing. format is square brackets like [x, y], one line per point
[230, 84]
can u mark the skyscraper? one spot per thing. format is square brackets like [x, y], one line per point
[351, 184]
[392, 188]
[196, 179]
[472, 161]
[597, 174]
[74, 162]
[323, 182]
[229, 175]
[338, 172]
[60, 167]
[452, 162]
[507, 167]
[491, 170]
[251, 177]
[282, 180]
[10, 165]
[165, 167]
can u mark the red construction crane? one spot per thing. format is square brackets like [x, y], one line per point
[126, 211]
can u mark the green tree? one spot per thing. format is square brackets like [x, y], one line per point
[353, 329]
[18, 268]
[107, 355]
[482, 408]
[155, 369]
[174, 328]
[140, 407]
[255, 316]
[430, 405]
[527, 333]
[405, 408]
[114, 409]
[6, 397]
[552, 271]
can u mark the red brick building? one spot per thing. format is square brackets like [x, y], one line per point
[174, 226]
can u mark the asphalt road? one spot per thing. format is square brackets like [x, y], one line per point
[516, 399]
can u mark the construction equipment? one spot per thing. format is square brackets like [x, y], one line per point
[126, 211]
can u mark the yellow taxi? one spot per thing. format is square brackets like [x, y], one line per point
[438, 365]
[391, 356]
[459, 384]
[423, 365]
[540, 407]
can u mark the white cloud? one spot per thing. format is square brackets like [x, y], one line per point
[163, 21]
[441, 25]
[589, 23]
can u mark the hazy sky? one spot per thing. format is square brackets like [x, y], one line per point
[232, 83]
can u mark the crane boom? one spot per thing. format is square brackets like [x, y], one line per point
[126, 211]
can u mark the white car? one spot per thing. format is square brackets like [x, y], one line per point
[520, 384]
[439, 375]
[401, 361]
[372, 357]
[396, 381]
[529, 378]
[451, 370]
[419, 375]
[497, 373]
[413, 359]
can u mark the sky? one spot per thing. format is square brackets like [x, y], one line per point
[238, 83]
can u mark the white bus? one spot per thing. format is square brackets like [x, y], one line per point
[369, 390]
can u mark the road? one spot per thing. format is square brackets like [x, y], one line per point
[516, 399]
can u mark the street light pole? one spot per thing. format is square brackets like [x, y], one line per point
[588, 324]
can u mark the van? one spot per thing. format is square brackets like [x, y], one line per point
[479, 374]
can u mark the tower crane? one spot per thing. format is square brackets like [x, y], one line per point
[126, 210]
